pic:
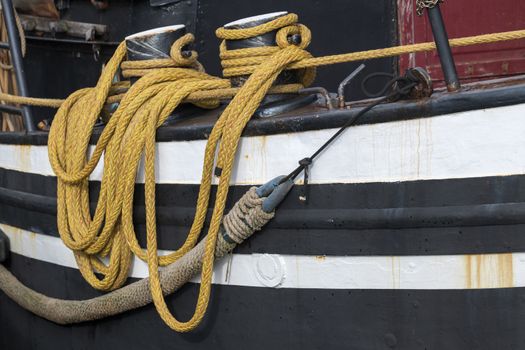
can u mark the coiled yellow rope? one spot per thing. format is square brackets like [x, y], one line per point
[130, 135]
[130, 130]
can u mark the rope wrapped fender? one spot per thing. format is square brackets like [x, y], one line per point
[245, 218]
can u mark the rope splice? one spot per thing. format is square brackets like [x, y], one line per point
[256, 207]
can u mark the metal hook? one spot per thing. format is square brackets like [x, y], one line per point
[319, 90]
[96, 52]
[341, 88]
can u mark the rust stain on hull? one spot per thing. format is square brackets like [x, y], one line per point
[489, 271]
[23, 153]
[396, 272]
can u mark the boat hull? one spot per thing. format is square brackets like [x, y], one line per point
[411, 237]
[263, 318]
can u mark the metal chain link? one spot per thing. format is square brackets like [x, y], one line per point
[423, 4]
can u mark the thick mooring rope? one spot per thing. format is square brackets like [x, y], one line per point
[130, 135]
[240, 223]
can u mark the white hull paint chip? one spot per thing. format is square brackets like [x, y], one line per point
[321, 272]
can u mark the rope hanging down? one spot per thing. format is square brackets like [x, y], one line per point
[248, 215]
[251, 212]
[130, 134]
[224, 140]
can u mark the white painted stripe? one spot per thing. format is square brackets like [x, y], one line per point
[318, 272]
[468, 144]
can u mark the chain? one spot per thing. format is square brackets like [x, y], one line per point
[423, 4]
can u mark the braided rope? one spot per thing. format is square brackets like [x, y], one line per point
[130, 134]
[246, 217]
[136, 294]
[245, 61]
[223, 140]
[421, 5]
[143, 67]
[245, 33]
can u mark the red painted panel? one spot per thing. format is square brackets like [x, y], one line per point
[466, 18]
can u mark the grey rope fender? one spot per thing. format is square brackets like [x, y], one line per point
[248, 215]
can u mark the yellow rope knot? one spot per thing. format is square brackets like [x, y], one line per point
[245, 61]
[177, 59]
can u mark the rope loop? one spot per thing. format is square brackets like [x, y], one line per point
[178, 59]
[285, 34]
[246, 33]
[243, 62]
[177, 52]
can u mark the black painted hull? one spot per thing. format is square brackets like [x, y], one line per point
[473, 223]
[264, 318]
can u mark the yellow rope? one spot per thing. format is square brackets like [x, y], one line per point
[244, 61]
[130, 135]
[197, 96]
[31, 101]
[404, 49]
[110, 231]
